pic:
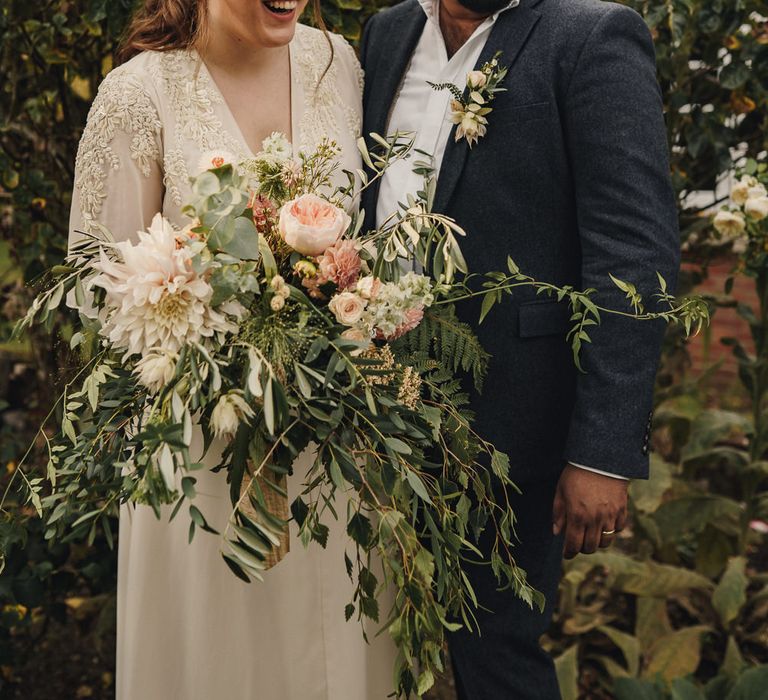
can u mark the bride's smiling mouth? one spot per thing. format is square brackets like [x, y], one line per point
[284, 9]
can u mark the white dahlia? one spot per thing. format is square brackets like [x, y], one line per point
[156, 369]
[155, 299]
[230, 411]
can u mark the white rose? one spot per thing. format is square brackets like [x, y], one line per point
[347, 307]
[155, 370]
[740, 245]
[729, 224]
[228, 413]
[277, 303]
[740, 191]
[757, 208]
[310, 224]
[757, 191]
[476, 79]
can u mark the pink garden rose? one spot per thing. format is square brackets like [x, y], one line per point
[310, 224]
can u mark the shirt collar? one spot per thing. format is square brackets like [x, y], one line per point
[432, 9]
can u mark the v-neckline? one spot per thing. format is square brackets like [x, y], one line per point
[294, 99]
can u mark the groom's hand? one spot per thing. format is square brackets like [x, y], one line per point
[588, 505]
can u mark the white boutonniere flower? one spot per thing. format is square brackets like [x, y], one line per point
[470, 108]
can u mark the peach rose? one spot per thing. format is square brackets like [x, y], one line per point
[310, 224]
[347, 308]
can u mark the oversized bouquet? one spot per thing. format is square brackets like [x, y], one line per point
[274, 322]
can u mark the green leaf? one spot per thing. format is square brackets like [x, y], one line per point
[683, 689]
[751, 685]
[206, 184]
[731, 593]
[336, 476]
[500, 464]
[629, 645]
[567, 668]
[301, 379]
[651, 620]
[425, 682]
[733, 663]
[418, 486]
[680, 516]
[647, 578]
[359, 529]
[734, 75]
[397, 445]
[269, 407]
[676, 655]
[244, 243]
[488, 301]
[636, 689]
[623, 286]
[647, 494]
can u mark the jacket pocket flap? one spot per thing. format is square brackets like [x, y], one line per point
[527, 112]
[539, 318]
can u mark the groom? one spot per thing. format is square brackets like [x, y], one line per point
[571, 181]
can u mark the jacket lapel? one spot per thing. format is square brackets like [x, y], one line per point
[508, 35]
[405, 35]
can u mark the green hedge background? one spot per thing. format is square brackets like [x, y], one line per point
[679, 610]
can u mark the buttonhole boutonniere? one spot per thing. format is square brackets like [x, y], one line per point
[470, 108]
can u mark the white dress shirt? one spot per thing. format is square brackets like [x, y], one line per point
[425, 112]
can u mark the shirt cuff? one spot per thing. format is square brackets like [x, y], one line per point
[598, 471]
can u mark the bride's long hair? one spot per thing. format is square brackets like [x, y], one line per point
[164, 25]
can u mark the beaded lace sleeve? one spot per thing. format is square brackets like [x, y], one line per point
[118, 173]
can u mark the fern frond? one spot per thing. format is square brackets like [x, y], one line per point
[451, 342]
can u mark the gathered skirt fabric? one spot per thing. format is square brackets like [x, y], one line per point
[188, 629]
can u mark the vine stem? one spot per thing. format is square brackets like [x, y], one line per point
[648, 316]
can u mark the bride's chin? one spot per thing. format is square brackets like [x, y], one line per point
[279, 17]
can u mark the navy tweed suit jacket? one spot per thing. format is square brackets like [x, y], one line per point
[572, 181]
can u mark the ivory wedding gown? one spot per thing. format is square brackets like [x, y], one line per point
[187, 628]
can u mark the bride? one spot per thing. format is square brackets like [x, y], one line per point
[206, 77]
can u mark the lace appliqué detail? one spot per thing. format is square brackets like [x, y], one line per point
[193, 100]
[121, 106]
[322, 99]
[175, 168]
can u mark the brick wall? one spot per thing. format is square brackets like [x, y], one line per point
[707, 348]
